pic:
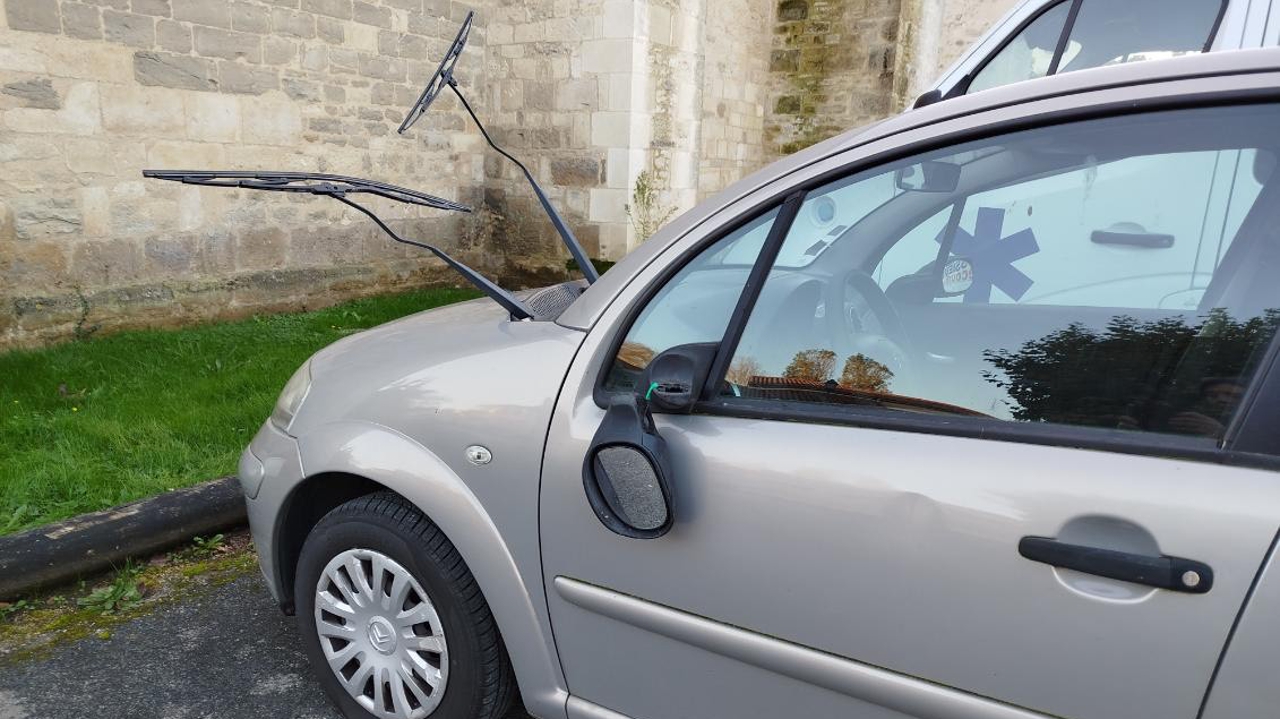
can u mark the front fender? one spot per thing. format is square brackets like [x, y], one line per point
[517, 599]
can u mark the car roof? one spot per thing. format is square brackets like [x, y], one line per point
[1232, 63]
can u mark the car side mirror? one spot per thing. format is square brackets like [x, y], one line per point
[674, 380]
[625, 474]
[931, 97]
[928, 176]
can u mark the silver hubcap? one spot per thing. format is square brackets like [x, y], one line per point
[381, 635]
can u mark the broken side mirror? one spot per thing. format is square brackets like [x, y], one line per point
[627, 468]
[626, 471]
[928, 176]
[931, 97]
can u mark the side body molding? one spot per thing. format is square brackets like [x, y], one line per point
[397, 462]
[900, 693]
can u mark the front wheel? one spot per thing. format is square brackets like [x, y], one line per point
[393, 622]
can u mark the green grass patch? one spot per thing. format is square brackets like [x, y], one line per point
[92, 424]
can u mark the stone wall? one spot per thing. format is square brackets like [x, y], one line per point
[590, 93]
[933, 35]
[93, 92]
[735, 81]
[831, 68]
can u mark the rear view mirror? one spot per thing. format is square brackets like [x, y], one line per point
[931, 97]
[626, 471]
[631, 486]
[929, 176]
[625, 474]
[674, 380]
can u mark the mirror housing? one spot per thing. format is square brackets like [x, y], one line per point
[931, 97]
[625, 472]
[674, 380]
[928, 176]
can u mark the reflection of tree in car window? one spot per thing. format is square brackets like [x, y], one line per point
[862, 372]
[1170, 375]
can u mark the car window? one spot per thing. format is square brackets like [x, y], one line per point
[1117, 273]
[1029, 55]
[693, 306]
[1103, 32]
[1111, 33]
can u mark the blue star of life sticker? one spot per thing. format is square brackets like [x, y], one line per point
[992, 255]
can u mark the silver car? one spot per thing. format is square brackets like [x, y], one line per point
[971, 413]
[1046, 37]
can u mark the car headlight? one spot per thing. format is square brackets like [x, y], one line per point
[291, 398]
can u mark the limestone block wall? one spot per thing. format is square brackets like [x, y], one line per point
[598, 91]
[831, 68]
[93, 92]
[590, 93]
[735, 82]
[933, 34]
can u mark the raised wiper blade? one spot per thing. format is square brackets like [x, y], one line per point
[443, 76]
[314, 183]
[341, 188]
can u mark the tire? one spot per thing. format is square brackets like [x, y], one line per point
[472, 668]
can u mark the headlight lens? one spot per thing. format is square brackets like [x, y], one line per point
[291, 398]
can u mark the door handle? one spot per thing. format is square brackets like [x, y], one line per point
[1172, 573]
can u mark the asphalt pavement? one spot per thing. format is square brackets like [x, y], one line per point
[225, 654]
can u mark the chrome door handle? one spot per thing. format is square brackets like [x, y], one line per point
[1173, 573]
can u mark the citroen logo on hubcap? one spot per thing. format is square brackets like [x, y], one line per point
[382, 636]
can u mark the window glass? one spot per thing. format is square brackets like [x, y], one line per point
[1028, 55]
[1117, 273]
[694, 306]
[1121, 209]
[1107, 32]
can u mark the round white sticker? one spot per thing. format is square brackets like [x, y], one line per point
[957, 276]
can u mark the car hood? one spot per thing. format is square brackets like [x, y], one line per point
[456, 366]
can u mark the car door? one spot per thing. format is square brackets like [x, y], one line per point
[943, 493]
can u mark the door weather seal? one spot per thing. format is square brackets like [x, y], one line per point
[1244, 606]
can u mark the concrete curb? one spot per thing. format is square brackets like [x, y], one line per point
[58, 553]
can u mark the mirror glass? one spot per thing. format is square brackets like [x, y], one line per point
[931, 176]
[630, 486]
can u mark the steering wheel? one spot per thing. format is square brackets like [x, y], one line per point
[861, 320]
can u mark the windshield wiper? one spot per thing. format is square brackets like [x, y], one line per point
[444, 78]
[341, 188]
[305, 182]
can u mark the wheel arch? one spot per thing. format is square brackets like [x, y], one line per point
[345, 461]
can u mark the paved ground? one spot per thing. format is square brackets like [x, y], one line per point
[228, 654]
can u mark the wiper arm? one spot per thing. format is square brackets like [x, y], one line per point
[314, 183]
[566, 234]
[341, 188]
[444, 77]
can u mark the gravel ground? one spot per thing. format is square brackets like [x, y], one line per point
[226, 654]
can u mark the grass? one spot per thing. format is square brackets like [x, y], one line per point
[91, 424]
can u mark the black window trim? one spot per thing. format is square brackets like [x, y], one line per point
[961, 87]
[1259, 416]
[751, 290]
[1065, 38]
